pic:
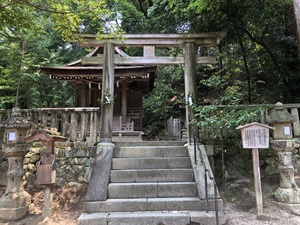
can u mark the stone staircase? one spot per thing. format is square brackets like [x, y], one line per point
[151, 183]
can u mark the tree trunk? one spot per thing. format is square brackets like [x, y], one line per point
[297, 17]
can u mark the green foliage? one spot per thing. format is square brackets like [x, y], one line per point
[222, 122]
[69, 17]
[33, 34]
[259, 50]
[23, 53]
[161, 103]
[127, 16]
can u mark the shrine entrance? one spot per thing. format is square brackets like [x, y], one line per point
[189, 43]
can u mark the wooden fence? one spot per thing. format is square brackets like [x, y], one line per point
[77, 124]
[291, 108]
[83, 124]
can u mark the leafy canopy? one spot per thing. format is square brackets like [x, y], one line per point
[67, 16]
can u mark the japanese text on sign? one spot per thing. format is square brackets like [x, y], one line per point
[255, 137]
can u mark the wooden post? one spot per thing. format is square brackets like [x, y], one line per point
[83, 95]
[93, 126]
[47, 210]
[54, 122]
[257, 181]
[64, 121]
[189, 79]
[107, 94]
[297, 18]
[44, 119]
[73, 127]
[83, 125]
[124, 102]
[254, 136]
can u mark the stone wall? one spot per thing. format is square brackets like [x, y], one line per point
[239, 165]
[74, 162]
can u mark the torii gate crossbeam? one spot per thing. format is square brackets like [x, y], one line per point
[97, 190]
[149, 42]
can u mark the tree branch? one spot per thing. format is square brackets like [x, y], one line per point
[142, 9]
[9, 4]
[269, 51]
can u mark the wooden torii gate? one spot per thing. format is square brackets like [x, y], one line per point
[149, 42]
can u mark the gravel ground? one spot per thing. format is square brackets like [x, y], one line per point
[240, 204]
[273, 215]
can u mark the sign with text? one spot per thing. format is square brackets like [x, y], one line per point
[255, 135]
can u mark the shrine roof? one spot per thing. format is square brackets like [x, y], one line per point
[76, 71]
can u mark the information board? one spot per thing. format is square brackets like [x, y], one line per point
[255, 136]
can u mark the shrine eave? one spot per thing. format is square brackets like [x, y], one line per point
[95, 72]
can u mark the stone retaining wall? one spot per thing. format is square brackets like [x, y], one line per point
[74, 161]
[239, 164]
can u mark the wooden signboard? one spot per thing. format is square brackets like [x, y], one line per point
[255, 136]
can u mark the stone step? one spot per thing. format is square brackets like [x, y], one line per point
[150, 143]
[152, 190]
[150, 151]
[151, 204]
[151, 218]
[151, 163]
[151, 175]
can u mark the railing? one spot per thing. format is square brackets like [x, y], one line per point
[195, 133]
[77, 124]
[207, 172]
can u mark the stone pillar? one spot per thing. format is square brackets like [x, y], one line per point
[98, 185]
[15, 201]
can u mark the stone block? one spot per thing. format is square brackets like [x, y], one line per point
[174, 204]
[77, 152]
[141, 152]
[92, 219]
[120, 176]
[174, 189]
[146, 218]
[116, 205]
[132, 190]
[151, 175]
[13, 213]
[97, 190]
[179, 162]
[165, 175]
[151, 163]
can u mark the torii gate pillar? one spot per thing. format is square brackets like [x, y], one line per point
[99, 181]
[98, 186]
[189, 81]
[106, 116]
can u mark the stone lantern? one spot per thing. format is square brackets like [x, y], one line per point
[15, 201]
[288, 194]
